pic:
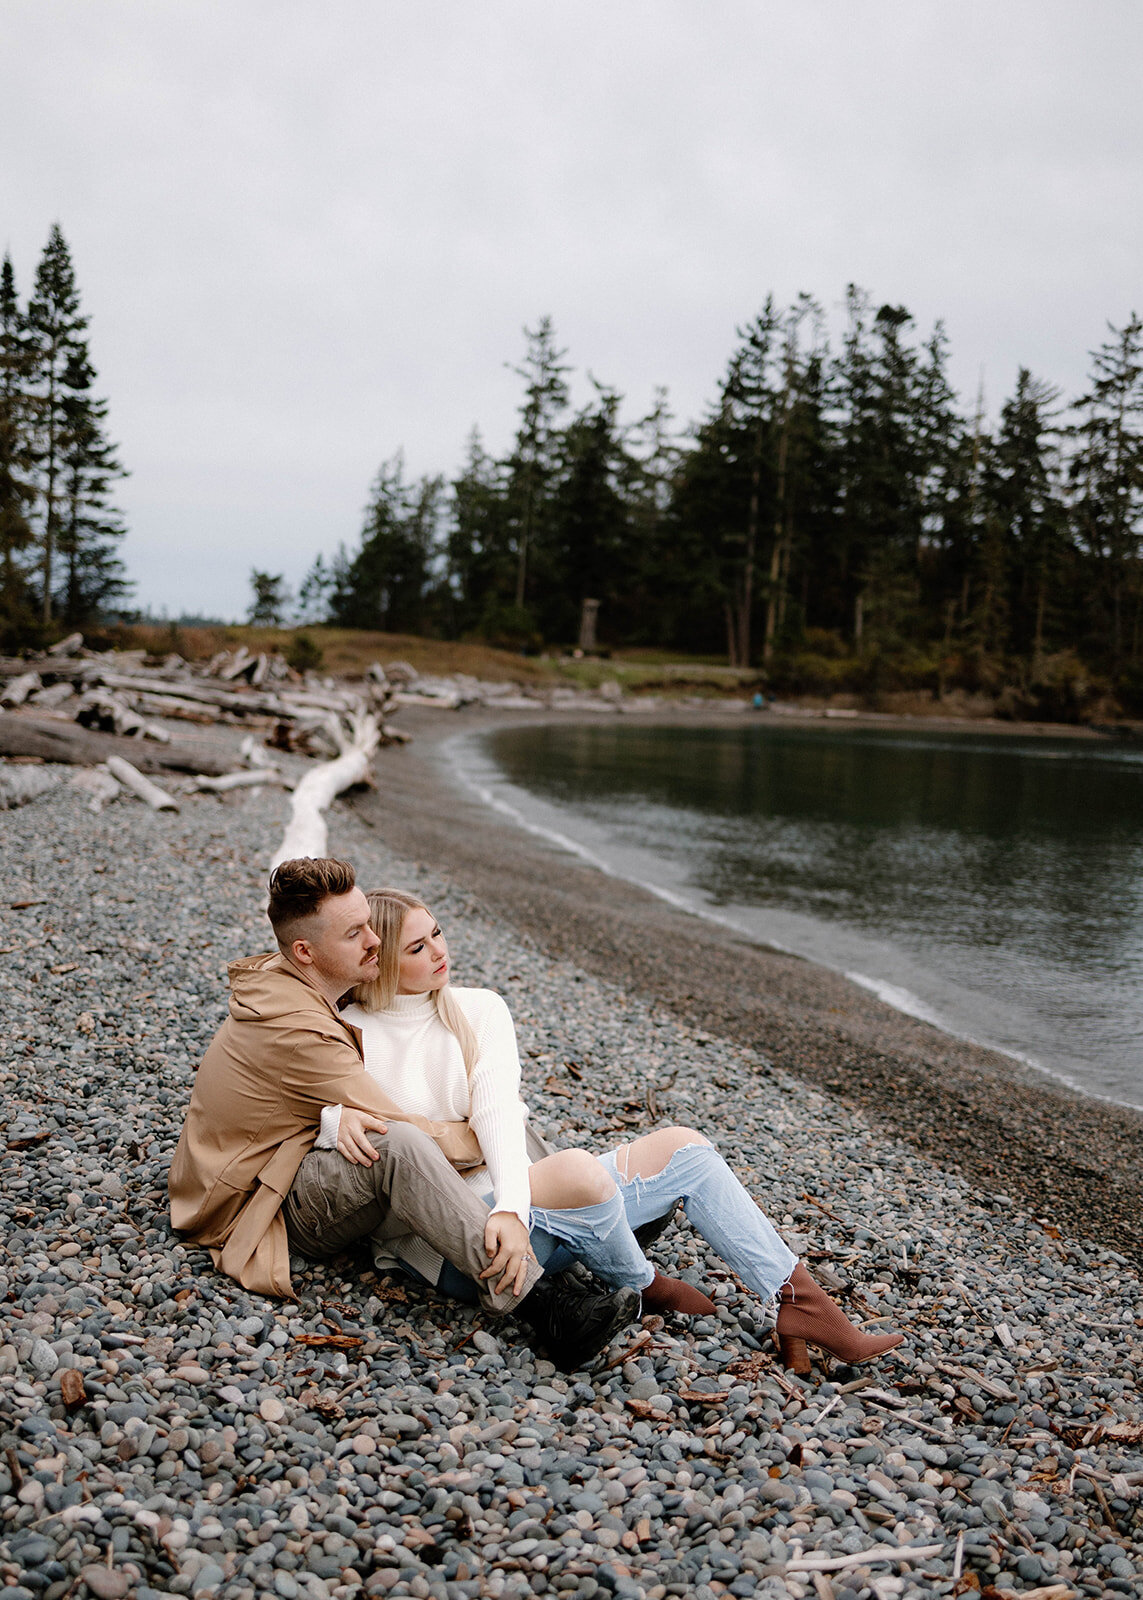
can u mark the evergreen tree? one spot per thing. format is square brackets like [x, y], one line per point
[384, 585]
[76, 463]
[17, 491]
[1023, 502]
[533, 464]
[653, 458]
[314, 592]
[1107, 475]
[89, 527]
[57, 335]
[480, 560]
[727, 485]
[271, 599]
[587, 554]
[802, 468]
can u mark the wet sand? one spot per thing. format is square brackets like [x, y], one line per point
[1076, 1162]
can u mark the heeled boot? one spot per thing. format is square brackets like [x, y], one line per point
[672, 1294]
[807, 1315]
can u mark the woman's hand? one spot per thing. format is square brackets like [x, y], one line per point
[352, 1133]
[506, 1240]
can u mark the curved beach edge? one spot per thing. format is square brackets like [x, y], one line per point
[1073, 1160]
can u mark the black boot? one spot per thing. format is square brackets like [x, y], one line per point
[575, 1320]
[648, 1232]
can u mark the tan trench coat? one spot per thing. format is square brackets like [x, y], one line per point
[281, 1055]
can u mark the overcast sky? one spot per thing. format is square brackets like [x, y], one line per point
[310, 232]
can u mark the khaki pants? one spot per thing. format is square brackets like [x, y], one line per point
[410, 1188]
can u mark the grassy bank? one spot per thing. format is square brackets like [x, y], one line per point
[349, 652]
[822, 675]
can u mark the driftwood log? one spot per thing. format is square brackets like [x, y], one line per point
[52, 740]
[306, 832]
[247, 779]
[18, 785]
[131, 778]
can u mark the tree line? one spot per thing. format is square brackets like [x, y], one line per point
[837, 502]
[58, 527]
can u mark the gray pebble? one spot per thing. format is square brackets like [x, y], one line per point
[227, 1437]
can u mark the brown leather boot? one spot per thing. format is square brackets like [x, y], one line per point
[672, 1294]
[807, 1315]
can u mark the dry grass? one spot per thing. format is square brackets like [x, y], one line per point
[348, 652]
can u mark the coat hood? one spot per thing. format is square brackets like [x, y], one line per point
[265, 987]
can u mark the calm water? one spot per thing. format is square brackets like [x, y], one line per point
[993, 885]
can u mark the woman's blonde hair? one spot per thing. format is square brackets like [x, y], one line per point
[388, 909]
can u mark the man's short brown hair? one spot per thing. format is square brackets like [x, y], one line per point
[299, 889]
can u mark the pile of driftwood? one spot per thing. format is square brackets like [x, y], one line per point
[119, 691]
[69, 693]
[98, 711]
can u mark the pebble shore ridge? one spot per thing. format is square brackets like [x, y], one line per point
[163, 1431]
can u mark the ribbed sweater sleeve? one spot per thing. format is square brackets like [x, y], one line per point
[330, 1128]
[497, 1115]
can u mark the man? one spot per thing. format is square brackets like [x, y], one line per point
[245, 1180]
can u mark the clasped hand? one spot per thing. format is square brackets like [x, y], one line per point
[506, 1240]
[505, 1236]
[353, 1132]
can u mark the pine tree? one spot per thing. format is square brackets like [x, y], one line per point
[1107, 471]
[480, 561]
[17, 491]
[89, 527]
[314, 592]
[727, 484]
[802, 465]
[1023, 501]
[588, 548]
[653, 458]
[76, 463]
[384, 585]
[532, 466]
[57, 330]
[271, 599]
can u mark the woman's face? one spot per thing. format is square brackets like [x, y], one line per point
[424, 954]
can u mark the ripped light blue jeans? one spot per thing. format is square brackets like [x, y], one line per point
[601, 1235]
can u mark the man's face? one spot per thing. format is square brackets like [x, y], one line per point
[341, 946]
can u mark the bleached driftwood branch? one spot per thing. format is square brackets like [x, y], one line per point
[131, 778]
[18, 785]
[239, 780]
[17, 690]
[98, 784]
[306, 832]
[111, 714]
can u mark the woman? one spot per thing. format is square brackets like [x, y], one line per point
[451, 1053]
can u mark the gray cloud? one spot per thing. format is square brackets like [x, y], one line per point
[310, 234]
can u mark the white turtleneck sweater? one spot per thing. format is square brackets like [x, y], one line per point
[419, 1064]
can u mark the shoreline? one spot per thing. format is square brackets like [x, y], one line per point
[162, 1430]
[1075, 1159]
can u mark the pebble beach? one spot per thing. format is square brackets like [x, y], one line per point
[166, 1432]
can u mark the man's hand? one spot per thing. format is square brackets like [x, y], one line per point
[351, 1135]
[506, 1240]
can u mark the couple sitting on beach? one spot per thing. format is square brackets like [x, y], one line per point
[397, 1117]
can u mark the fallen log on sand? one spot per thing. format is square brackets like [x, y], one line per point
[131, 778]
[18, 785]
[17, 690]
[52, 740]
[241, 780]
[306, 832]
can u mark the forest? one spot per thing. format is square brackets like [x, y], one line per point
[839, 519]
